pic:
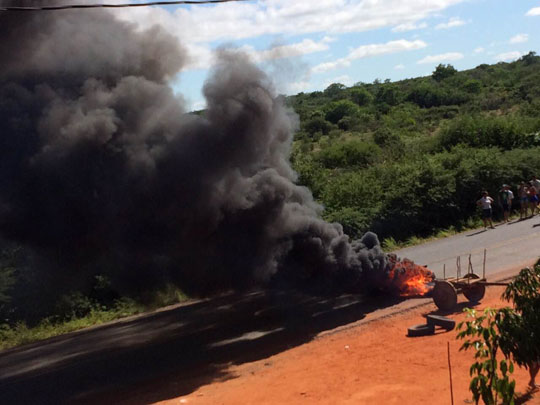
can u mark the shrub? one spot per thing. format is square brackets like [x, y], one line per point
[472, 86]
[442, 72]
[349, 154]
[387, 94]
[361, 96]
[521, 337]
[428, 95]
[335, 90]
[384, 137]
[480, 131]
[317, 124]
[490, 377]
[339, 109]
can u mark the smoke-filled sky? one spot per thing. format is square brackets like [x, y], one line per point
[102, 169]
[348, 41]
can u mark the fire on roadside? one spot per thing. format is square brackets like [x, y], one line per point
[408, 279]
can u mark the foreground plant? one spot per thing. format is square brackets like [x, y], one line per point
[521, 326]
[491, 377]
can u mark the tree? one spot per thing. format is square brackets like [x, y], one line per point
[443, 71]
[425, 95]
[339, 109]
[522, 326]
[362, 97]
[317, 124]
[491, 377]
[349, 154]
[388, 94]
[334, 90]
[472, 86]
[530, 58]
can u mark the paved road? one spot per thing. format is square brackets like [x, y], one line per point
[195, 343]
[171, 353]
[507, 245]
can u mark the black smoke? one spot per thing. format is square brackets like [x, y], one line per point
[103, 171]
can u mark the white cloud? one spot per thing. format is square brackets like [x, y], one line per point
[399, 67]
[202, 28]
[297, 87]
[327, 66]
[509, 56]
[305, 47]
[443, 57]
[344, 79]
[479, 50]
[452, 22]
[533, 12]
[201, 57]
[241, 20]
[519, 38]
[409, 26]
[365, 51]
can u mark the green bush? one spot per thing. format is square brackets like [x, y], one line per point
[349, 154]
[442, 72]
[387, 94]
[360, 96]
[481, 131]
[429, 95]
[521, 337]
[335, 90]
[490, 376]
[317, 124]
[339, 109]
[473, 86]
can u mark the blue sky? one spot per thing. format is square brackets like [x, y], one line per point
[317, 43]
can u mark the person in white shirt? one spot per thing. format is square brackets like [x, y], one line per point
[485, 202]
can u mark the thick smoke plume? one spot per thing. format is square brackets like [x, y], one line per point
[102, 169]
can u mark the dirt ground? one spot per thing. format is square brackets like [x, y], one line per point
[372, 363]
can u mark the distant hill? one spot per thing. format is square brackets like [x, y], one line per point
[411, 157]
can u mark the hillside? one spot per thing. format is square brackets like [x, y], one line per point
[411, 157]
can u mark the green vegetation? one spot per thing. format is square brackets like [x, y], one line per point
[490, 376]
[20, 333]
[512, 332]
[409, 159]
[522, 324]
[29, 311]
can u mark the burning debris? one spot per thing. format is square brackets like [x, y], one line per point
[102, 170]
[408, 279]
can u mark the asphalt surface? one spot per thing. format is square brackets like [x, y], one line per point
[193, 343]
[508, 245]
[197, 341]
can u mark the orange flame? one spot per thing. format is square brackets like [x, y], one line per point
[409, 279]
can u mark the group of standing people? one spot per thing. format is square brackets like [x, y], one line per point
[528, 197]
[528, 200]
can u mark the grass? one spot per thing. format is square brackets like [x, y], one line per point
[21, 333]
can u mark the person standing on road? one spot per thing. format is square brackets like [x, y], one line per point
[505, 200]
[533, 198]
[485, 202]
[536, 184]
[523, 193]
